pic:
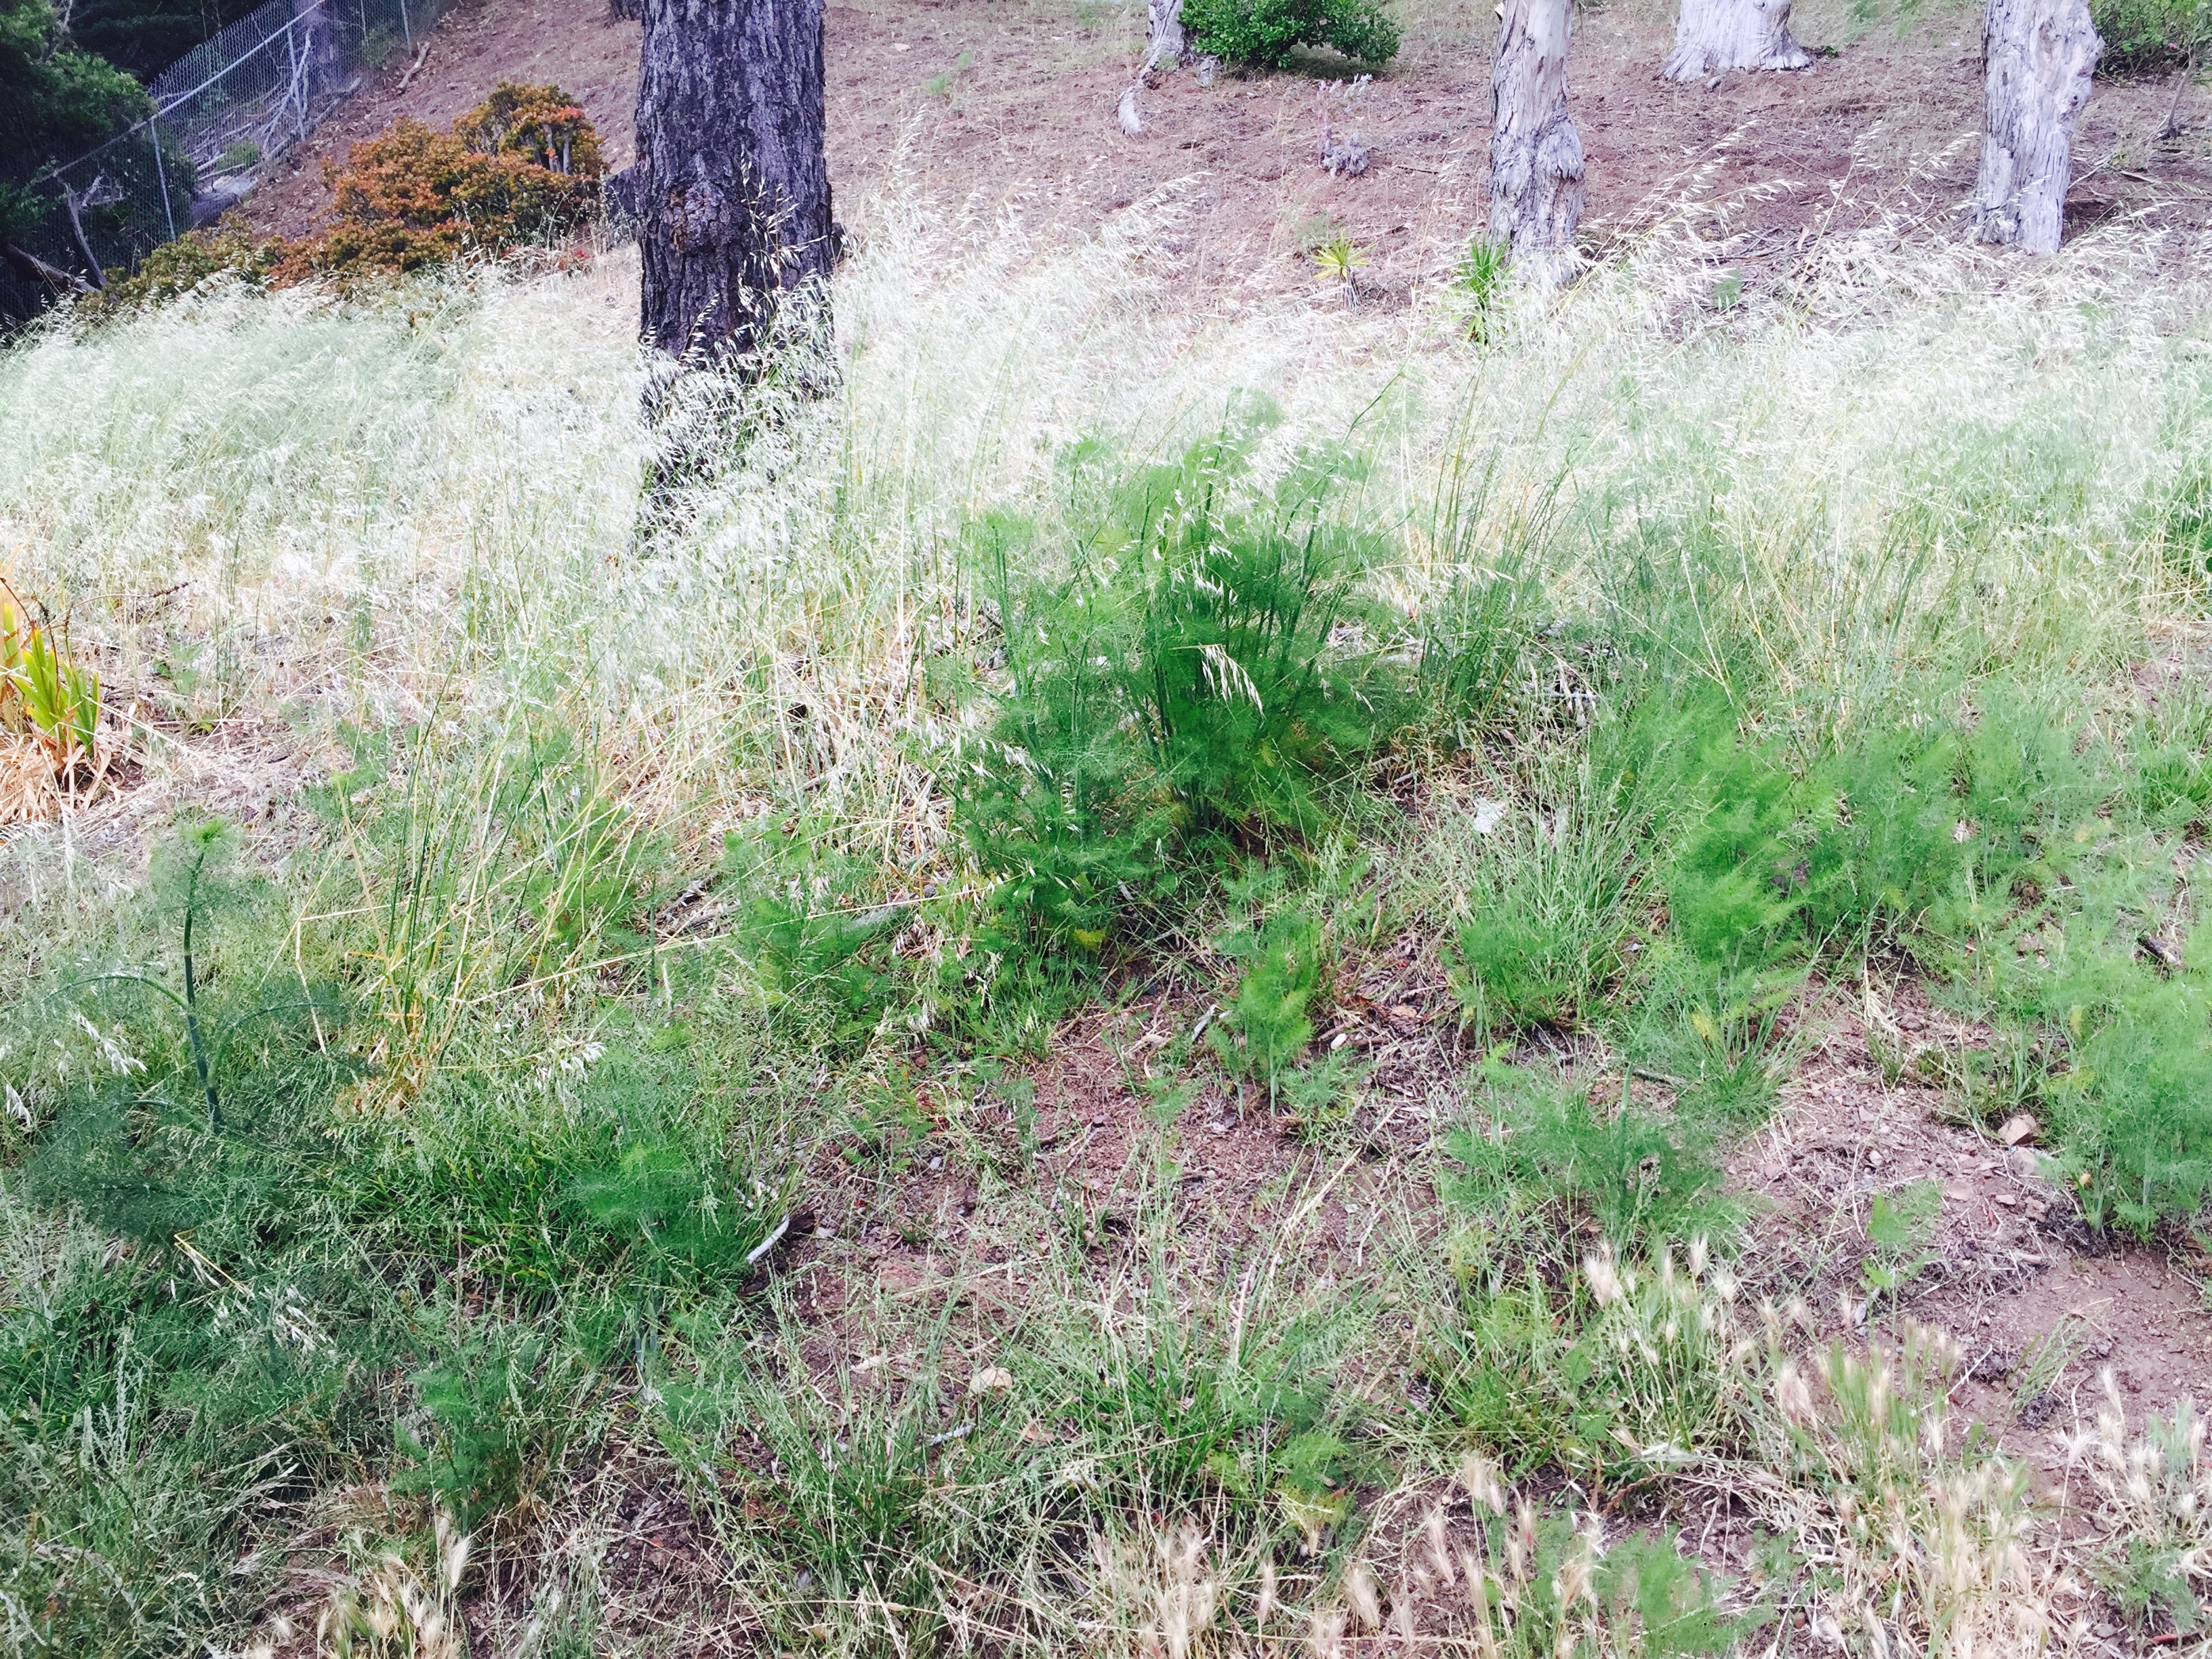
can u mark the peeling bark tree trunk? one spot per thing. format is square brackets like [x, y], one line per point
[1167, 44]
[2038, 56]
[1535, 154]
[1732, 34]
[731, 190]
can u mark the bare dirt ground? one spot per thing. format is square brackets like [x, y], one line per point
[2041, 1305]
[1006, 111]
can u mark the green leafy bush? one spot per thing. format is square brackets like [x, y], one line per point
[177, 267]
[815, 933]
[1266, 33]
[2147, 35]
[494, 1424]
[2127, 1084]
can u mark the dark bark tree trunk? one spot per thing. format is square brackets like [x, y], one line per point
[1535, 154]
[1732, 34]
[731, 190]
[2037, 57]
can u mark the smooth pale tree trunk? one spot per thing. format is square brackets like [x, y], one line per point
[1535, 154]
[1710, 35]
[730, 194]
[2037, 57]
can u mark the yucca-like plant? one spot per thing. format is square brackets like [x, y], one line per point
[61, 696]
[46, 691]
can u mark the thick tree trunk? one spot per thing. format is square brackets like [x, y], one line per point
[1732, 34]
[731, 191]
[1535, 154]
[2038, 56]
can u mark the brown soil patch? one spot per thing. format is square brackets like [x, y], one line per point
[2014, 1263]
[1243, 1171]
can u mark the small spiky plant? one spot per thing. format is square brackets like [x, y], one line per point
[1337, 259]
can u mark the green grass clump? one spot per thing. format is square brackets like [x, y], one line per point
[1267, 34]
[233, 1286]
[1264, 1024]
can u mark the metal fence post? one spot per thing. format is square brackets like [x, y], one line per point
[406, 28]
[162, 176]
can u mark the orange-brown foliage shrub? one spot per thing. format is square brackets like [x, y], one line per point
[522, 167]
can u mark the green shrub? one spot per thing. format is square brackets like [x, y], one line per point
[177, 268]
[1207, 669]
[814, 932]
[2147, 35]
[1266, 33]
[2129, 1090]
[495, 1424]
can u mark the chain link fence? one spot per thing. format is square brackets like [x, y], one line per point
[221, 115]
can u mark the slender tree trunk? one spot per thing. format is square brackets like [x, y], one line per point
[731, 190]
[2171, 127]
[318, 52]
[2038, 56]
[73, 203]
[1732, 34]
[1164, 49]
[1535, 154]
